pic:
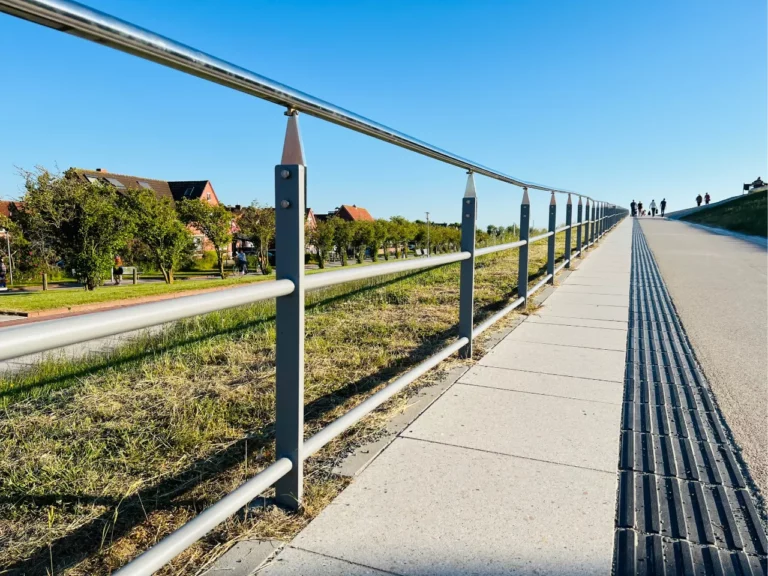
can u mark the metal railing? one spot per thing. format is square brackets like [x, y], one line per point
[286, 473]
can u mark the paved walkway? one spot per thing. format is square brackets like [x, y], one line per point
[513, 470]
[719, 286]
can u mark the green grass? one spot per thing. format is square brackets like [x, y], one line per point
[68, 297]
[102, 457]
[37, 300]
[748, 215]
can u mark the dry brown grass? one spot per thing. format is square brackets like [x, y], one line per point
[100, 459]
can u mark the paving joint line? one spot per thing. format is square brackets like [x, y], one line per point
[538, 394]
[343, 560]
[459, 446]
[549, 373]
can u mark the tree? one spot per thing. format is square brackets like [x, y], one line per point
[379, 239]
[215, 222]
[402, 231]
[322, 237]
[342, 236]
[84, 223]
[362, 236]
[158, 227]
[257, 223]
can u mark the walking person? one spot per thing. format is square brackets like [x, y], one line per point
[640, 208]
[653, 208]
[698, 200]
[117, 271]
[3, 272]
[633, 206]
[242, 262]
[663, 206]
[707, 198]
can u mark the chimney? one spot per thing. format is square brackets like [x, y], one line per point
[101, 169]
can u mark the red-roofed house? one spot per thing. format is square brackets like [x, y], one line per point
[5, 207]
[175, 191]
[346, 212]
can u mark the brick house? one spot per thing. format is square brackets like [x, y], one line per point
[346, 212]
[173, 190]
[5, 207]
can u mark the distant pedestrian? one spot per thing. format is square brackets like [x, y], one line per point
[653, 208]
[640, 208]
[242, 262]
[698, 200]
[3, 272]
[707, 198]
[663, 206]
[117, 271]
[633, 205]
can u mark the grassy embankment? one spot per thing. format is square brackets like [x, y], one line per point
[747, 215]
[37, 300]
[101, 458]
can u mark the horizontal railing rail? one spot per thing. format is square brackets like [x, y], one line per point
[499, 248]
[79, 20]
[593, 220]
[51, 334]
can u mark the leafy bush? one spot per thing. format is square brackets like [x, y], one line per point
[209, 261]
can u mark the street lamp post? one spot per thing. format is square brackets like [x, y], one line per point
[428, 251]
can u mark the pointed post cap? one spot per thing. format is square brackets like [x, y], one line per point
[526, 200]
[469, 191]
[579, 200]
[293, 149]
[569, 203]
[552, 201]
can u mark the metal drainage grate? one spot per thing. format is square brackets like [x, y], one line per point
[683, 507]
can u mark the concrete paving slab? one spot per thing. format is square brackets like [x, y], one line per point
[536, 383]
[614, 280]
[356, 462]
[586, 322]
[244, 558]
[302, 563]
[423, 508]
[576, 288]
[588, 311]
[581, 434]
[559, 360]
[571, 336]
[567, 298]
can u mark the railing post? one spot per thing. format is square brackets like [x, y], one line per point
[597, 221]
[568, 236]
[467, 280]
[578, 228]
[290, 186]
[551, 239]
[525, 233]
[594, 222]
[602, 219]
[586, 224]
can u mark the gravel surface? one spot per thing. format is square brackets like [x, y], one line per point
[719, 286]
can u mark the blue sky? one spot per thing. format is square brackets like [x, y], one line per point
[619, 100]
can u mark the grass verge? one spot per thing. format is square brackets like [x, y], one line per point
[747, 215]
[34, 301]
[101, 458]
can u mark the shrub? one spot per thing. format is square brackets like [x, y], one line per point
[208, 261]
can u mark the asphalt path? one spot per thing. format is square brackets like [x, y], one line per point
[719, 286]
